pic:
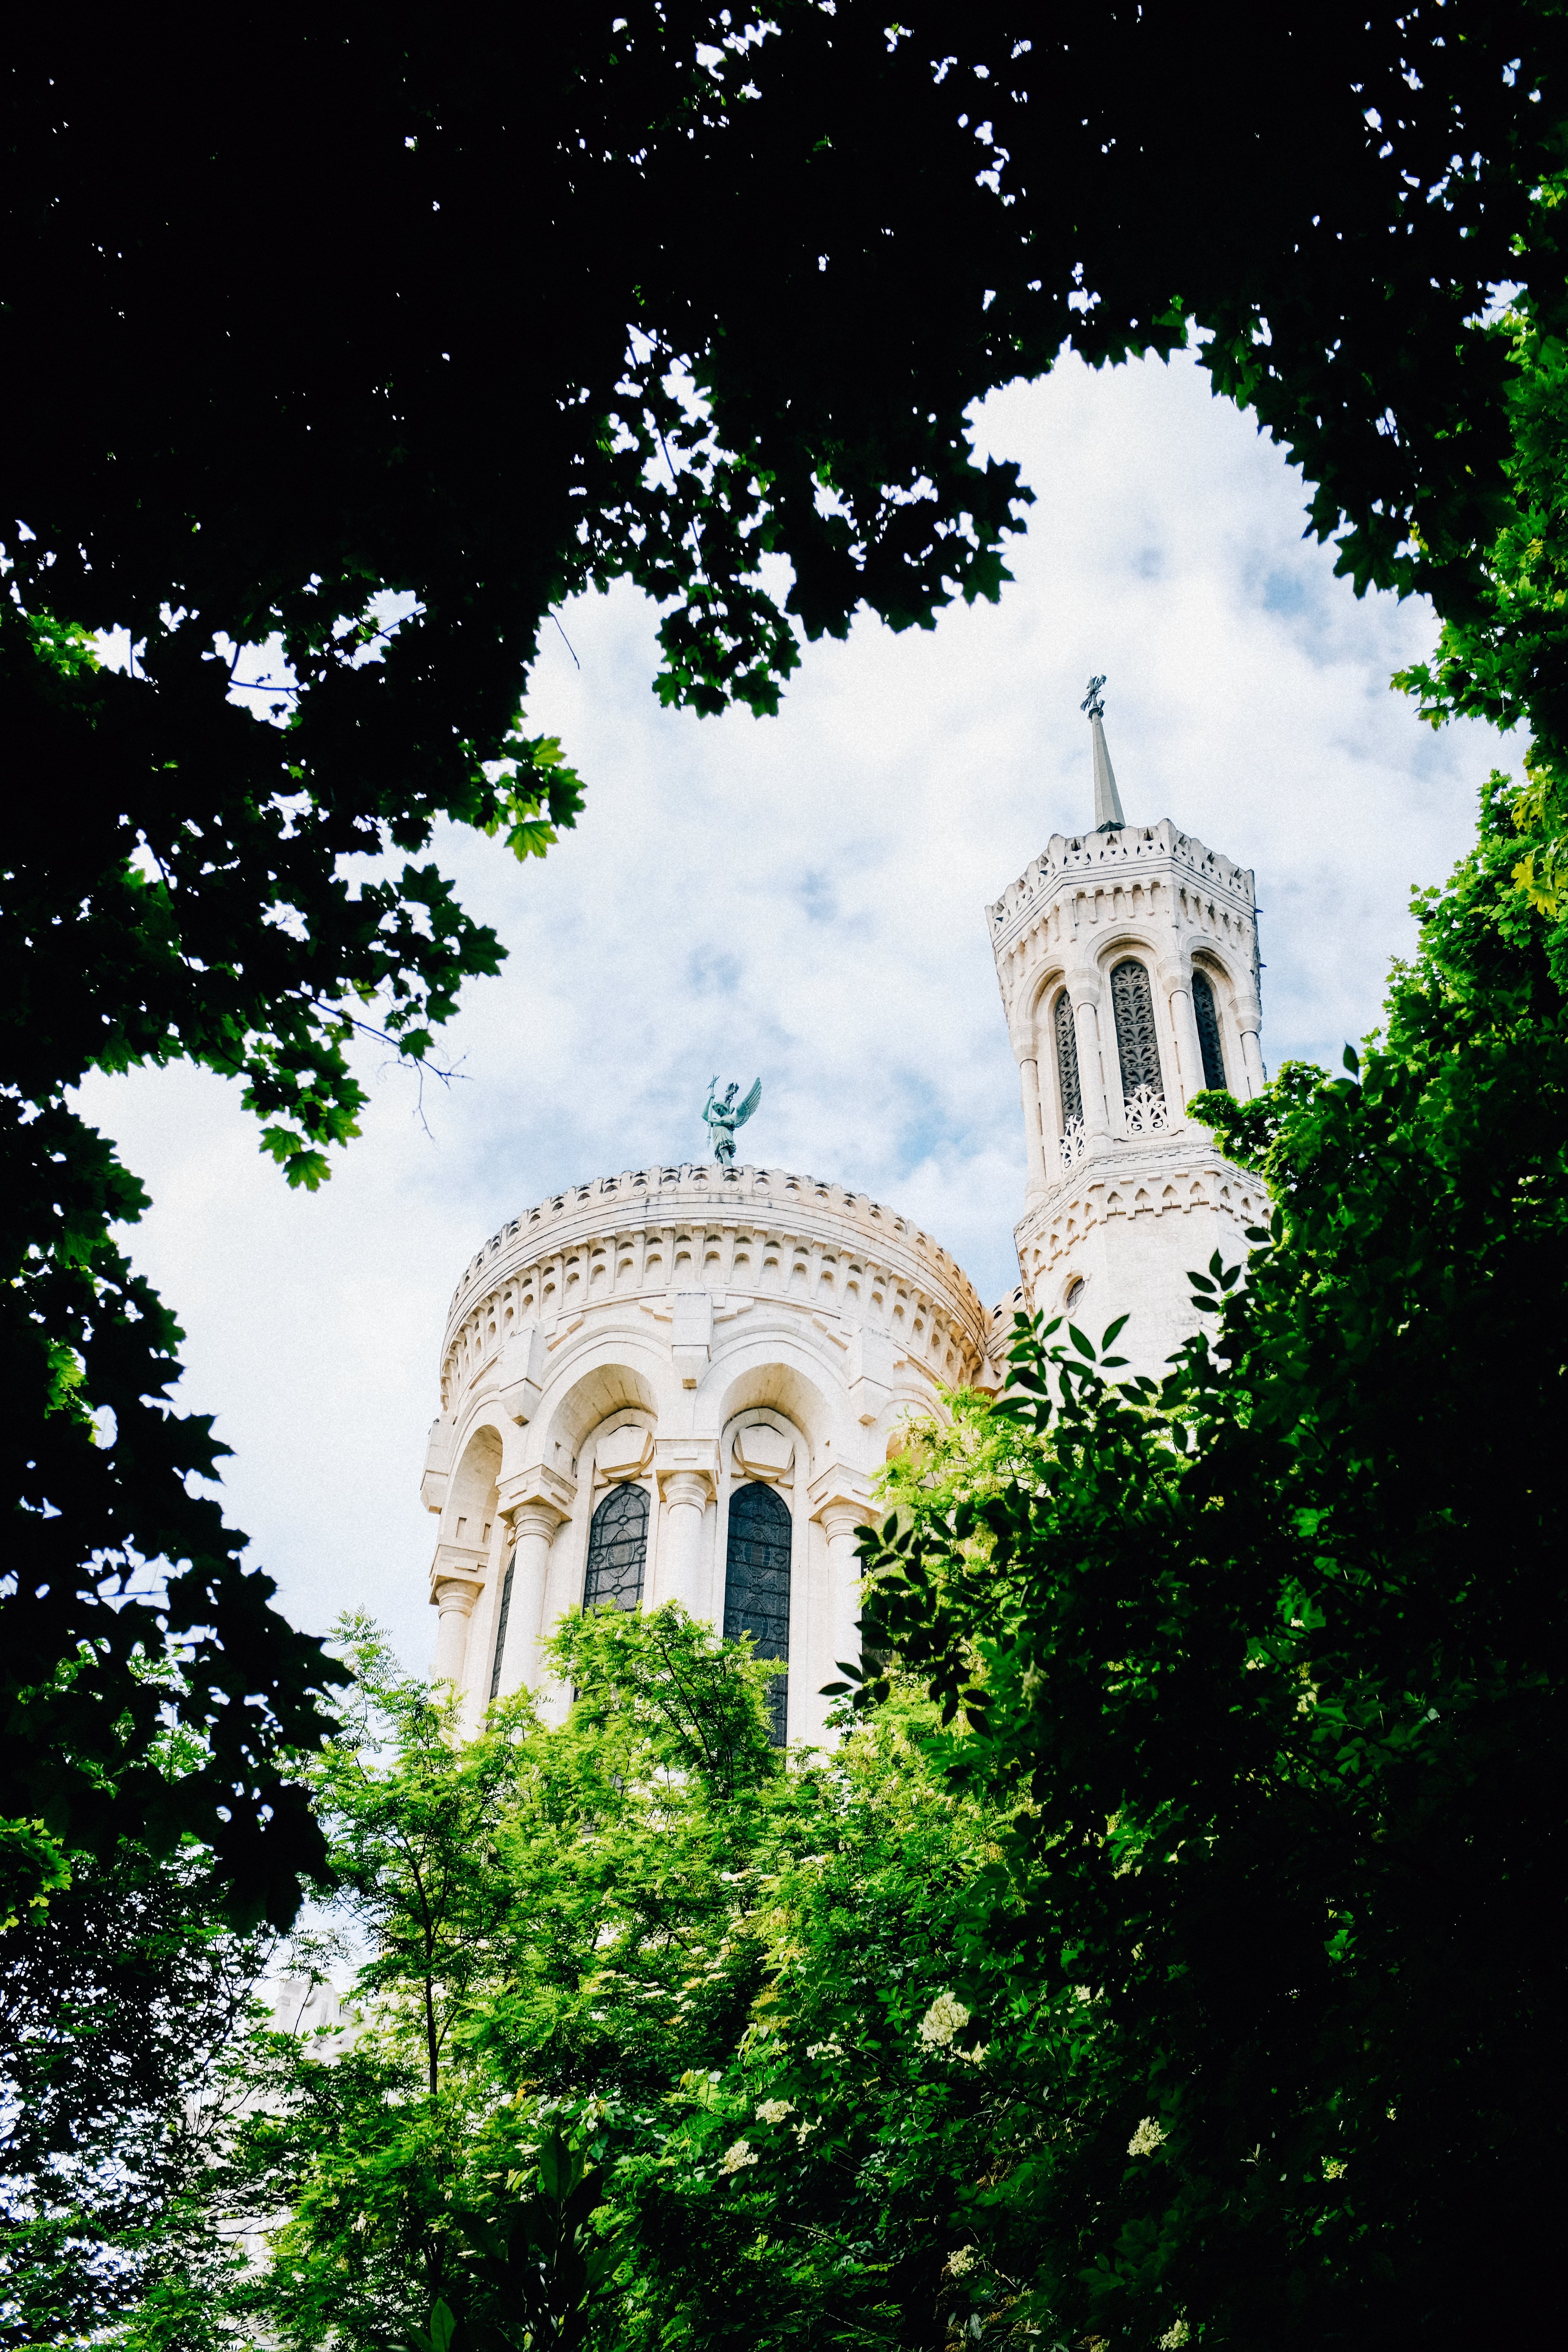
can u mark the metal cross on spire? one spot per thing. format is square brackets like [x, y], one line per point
[1108, 816]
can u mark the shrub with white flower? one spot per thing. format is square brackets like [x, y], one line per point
[1335, 2168]
[737, 2157]
[1148, 2137]
[942, 2021]
[773, 2111]
[1175, 2336]
[961, 2260]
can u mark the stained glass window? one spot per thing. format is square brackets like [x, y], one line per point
[1138, 1047]
[1209, 1041]
[1067, 1060]
[618, 1550]
[500, 1626]
[756, 1585]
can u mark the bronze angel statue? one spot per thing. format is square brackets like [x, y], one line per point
[724, 1115]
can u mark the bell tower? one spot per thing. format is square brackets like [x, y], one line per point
[1128, 963]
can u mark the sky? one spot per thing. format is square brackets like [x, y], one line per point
[803, 898]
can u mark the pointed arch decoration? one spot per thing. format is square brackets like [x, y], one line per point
[1066, 1059]
[756, 1585]
[618, 1550]
[1137, 1046]
[1210, 1043]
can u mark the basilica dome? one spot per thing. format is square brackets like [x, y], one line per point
[678, 1383]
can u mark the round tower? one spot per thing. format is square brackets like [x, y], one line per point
[1128, 963]
[678, 1383]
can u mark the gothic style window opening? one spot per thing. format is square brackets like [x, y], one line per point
[503, 1614]
[756, 1584]
[618, 1550]
[1211, 1042]
[1138, 1047]
[1068, 1082]
[1067, 1060]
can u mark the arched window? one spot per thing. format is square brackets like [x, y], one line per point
[756, 1585]
[1067, 1060]
[1210, 1045]
[618, 1549]
[1137, 1046]
[505, 1611]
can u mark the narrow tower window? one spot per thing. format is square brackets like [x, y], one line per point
[1209, 1043]
[617, 1547]
[500, 1624]
[1067, 1060]
[756, 1585]
[1133, 1002]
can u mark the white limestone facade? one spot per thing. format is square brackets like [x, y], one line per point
[679, 1383]
[634, 1356]
[1129, 969]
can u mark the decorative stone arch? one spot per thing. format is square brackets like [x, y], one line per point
[610, 1375]
[615, 1381]
[1225, 997]
[470, 1524]
[1054, 1097]
[761, 1445]
[1141, 1059]
[774, 1371]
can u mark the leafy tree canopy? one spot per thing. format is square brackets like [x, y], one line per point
[333, 364]
[653, 2044]
[1261, 1663]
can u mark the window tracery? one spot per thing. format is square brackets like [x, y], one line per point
[618, 1550]
[1210, 1042]
[756, 1585]
[1067, 1060]
[1137, 1046]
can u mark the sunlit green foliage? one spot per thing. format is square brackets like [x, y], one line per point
[652, 2038]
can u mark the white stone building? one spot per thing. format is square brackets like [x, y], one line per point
[678, 1383]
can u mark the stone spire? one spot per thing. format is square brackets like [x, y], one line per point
[1108, 815]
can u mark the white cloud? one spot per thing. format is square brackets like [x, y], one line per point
[803, 897]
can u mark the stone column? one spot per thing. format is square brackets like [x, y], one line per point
[454, 1597]
[685, 1494]
[1189, 1051]
[1252, 1053]
[534, 1525]
[1090, 1071]
[839, 1520]
[1033, 1135]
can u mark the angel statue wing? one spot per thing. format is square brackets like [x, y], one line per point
[750, 1105]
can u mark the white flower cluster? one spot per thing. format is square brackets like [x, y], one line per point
[942, 2019]
[773, 2111]
[737, 2157]
[1148, 2137]
[825, 2049]
[960, 2261]
[1335, 2168]
[1175, 2336]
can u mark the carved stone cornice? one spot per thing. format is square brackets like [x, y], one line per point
[538, 1483]
[1158, 1176]
[647, 1239]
